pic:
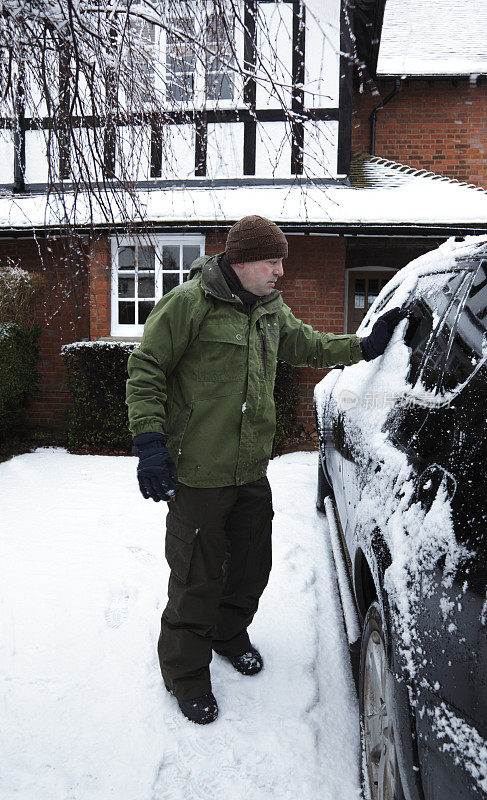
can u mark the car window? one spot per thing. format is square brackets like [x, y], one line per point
[418, 335]
[428, 303]
[468, 348]
[458, 347]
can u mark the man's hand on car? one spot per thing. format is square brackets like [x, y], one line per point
[380, 335]
[156, 470]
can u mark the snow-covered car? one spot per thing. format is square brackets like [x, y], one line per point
[403, 480]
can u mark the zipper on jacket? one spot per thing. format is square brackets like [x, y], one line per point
[264, 347]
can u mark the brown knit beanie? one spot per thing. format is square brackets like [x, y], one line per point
[255, 238]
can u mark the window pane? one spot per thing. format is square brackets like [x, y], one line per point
[433, 372]
[219, 86]
[144, 311]
[126, 258]
[373, 290]
[180, 60]
[126, 287]
[433, 367]
[359, 293]
[170, 257]
[469, 346]
[418, 334]
[226, 88]
[176, 65]
[146, 286]
[180, 92]
[190, 253]
[169, 281]
[139, 40]
[185, 275]
[219, 38]
[126, 313]
[146, 258]
[432, 295]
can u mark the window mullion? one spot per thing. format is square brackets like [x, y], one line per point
[158, 270]
[136, 284]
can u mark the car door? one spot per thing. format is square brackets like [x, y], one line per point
[449, 571]
[428, 304]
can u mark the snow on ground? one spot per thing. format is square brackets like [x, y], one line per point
[84, 712]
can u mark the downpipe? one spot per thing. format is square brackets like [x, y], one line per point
[373, 116]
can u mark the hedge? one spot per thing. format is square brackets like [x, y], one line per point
[20, 291]
[96, 375]
[19, 354]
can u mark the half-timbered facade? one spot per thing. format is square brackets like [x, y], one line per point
[256, 112]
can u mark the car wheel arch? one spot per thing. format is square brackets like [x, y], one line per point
[364, 583]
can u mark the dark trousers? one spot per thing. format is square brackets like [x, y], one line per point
[218, 546]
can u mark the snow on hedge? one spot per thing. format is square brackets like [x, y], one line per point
[129, 346]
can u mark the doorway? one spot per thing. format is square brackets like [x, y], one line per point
[363, 287]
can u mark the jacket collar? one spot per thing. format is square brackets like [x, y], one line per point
[214, 283]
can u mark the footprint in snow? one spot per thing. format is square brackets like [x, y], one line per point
[169, 784]
[291, 552]
[142, 555]
[117, 611]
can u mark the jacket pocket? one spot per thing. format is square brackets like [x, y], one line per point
[179, 548]
[223, 350]
[267, 329]
[176, 434]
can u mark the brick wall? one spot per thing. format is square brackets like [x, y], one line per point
[100, 288]
[314, 288]
[432, 125]
[62, 313]
[313, 285]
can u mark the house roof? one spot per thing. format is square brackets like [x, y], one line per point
[437, 37]
[383, 194]
[374, 172]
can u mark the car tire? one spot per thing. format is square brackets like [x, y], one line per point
[323, 488]
[380, 772]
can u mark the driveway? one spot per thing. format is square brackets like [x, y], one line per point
[84, 712]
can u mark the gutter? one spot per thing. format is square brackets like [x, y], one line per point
[351, 229]
[373, 116]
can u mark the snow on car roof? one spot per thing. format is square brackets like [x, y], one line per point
[440, 37]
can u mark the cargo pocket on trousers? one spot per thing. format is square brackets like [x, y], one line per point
[179, 549]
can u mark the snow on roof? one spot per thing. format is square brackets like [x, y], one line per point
[438, 37]
[374, 172]
[383, 193]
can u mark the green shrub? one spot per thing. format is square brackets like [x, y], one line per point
[96, 375]
[19, 353]
[19, 293]
[97, 372]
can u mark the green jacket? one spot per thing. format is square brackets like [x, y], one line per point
[204, 375]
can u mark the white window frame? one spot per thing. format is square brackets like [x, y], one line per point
[199, 99]
[157, 242]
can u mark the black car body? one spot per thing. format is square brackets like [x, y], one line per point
[403, 455]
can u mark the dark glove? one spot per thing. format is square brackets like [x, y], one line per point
[156, 470]
[380, 335]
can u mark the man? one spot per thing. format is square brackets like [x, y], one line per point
[201, 410]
